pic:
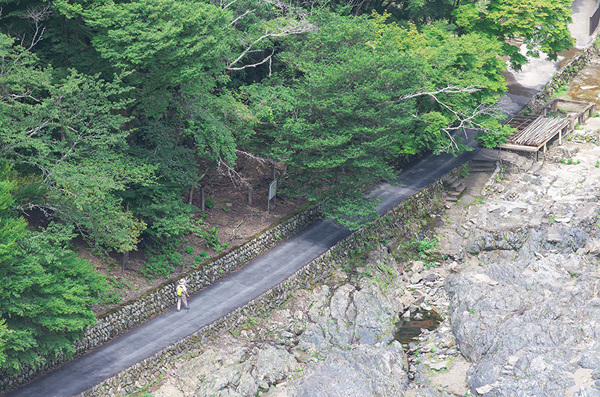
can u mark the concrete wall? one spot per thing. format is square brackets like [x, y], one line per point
[405, 219]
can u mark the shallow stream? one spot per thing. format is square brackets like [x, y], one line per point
[409, 331]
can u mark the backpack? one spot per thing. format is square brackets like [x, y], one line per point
[179, 290]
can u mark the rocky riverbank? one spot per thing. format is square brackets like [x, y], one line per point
[336, 339]
[525, 308]
[517, 295]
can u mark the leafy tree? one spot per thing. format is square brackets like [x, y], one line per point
[46, 289]
[174, 52]
[45, 299]
[167, 45]
[3, 332]
[69, 133]
[364, 92]
[542, 25]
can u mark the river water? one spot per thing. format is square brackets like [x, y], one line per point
[586, 86]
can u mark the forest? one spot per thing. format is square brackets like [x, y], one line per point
[111, 111]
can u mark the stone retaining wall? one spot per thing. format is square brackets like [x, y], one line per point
[406, 219]
[157, 300]
[567, 73]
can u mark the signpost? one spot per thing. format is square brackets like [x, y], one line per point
[272, 194]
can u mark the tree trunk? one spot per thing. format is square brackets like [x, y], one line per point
[125, 262]
[191, 195]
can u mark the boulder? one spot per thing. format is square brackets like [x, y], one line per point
[376, 370]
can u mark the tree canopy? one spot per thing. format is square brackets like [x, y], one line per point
[46, 290]
[112, 111]
[364, 92]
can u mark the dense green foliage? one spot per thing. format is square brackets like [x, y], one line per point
[112, 111]
[366, 92]
[46, 289]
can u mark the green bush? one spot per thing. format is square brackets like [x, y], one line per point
[209, 202]
[175, 258]
[157, 266]
[203, 255]
[111, 297]
[189, 250]
[425, 250]
[211, 238]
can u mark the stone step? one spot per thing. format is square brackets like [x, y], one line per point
[483, 161]
[487, 155]
[450, 180]
[536, 166]
[484, 167]
[458, 186]
[520, 161]
[452, 197]
[527, 165]
[514, 160]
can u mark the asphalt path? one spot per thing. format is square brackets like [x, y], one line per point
[229, 293]
[257, 277]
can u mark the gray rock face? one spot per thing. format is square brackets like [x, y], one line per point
[528, 316]
[364, 371]
[274, 364]
[333, 340]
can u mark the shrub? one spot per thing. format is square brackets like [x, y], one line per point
[157, 266]
[209, 202]
[203, 255]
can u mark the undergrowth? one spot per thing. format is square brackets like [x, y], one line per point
[426, 250]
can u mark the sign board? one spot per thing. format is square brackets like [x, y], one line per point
[272, 189]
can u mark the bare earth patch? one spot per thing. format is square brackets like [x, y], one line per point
[235, 220]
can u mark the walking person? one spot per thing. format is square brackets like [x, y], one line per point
[182, 295]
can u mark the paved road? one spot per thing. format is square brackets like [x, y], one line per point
[251, 281]
[229, 293]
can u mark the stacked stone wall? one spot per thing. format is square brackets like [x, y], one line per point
[130, 314]
[405, 220]
[567, 73]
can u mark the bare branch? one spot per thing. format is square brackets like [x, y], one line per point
[38, 128]
[37, 14]
[447, 90]
[241, 16]
[225, 6]
[224, 169]
[268, 58]
[290, 20]
[294, 28]
[465, 121]
[252, 156]
[26, 94]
